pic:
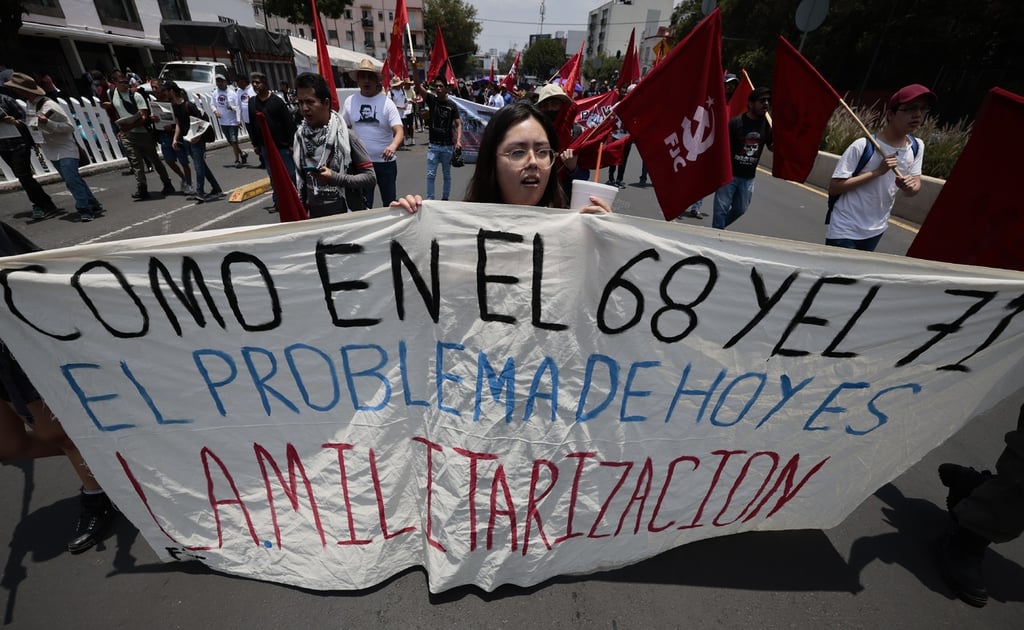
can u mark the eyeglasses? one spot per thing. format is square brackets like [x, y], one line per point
[544, 157]
[924, 111]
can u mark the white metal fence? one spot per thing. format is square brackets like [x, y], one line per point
[98, 137]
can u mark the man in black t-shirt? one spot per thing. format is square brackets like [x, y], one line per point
[445, 132]
[279, 120]
[749, 134]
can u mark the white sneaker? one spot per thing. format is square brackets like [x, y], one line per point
[187, 188]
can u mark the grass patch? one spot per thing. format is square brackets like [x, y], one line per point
[943, 143]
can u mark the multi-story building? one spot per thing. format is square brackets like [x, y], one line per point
[364, 27]
[67, 38]
[610, 24]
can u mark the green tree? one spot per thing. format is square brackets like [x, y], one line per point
[543, 58]
[603, 68]
[868, 48]
[301, 11]
[505, 61]
[459, 27]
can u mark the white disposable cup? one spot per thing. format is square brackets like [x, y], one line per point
[583, 189]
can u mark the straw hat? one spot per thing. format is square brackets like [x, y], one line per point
[396, 81]
[24, 82]
[364, 66]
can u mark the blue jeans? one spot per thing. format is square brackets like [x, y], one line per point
[387, 181]
[439, 153]
[731, 201]
[289, 165]
[203, 171]
[863, 244]
[84, 199]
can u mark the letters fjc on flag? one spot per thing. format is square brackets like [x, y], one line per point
[677, 118]
[498, 393]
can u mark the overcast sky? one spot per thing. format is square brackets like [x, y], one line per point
[509, 23]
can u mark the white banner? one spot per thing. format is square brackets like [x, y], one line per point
[499, 394]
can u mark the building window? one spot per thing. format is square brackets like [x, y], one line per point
[380, 15]
[383, 37]
[368, 41]
[348, 14]
[414, 43]
[391, 16]
[331, 34]
[177, 10]
[44, 7]
[120, 13]
[349, 36]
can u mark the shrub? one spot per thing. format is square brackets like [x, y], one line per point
[943, 143]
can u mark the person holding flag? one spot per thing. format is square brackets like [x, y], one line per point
[749, 134]
[860, 215]
[444, 132]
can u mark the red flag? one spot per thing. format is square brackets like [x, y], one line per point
[493, 78]
[570, 73]
[594, 115]
[972, 223]
[802, 103]
[678, 120]
[438, 58]
[323, 59]
[630, 71]
[587, 150]
[395, 65]
[513, 74]
[739, 98]
[289, 206]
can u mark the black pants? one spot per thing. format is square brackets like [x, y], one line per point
[995, 509]
[20, 162]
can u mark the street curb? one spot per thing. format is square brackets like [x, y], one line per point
[248, 191]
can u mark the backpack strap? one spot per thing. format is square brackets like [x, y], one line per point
[869, 150]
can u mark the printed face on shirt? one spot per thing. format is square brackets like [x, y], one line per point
[315, 111]
[523, 182]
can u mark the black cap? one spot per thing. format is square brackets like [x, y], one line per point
[759, 92]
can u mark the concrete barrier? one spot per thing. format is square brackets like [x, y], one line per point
[914, 209]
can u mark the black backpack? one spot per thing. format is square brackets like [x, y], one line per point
[869, 150]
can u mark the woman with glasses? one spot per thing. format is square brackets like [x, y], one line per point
[514, 164]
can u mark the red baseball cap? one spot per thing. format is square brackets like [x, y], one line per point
[908, 93]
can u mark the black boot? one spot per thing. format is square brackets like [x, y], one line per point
[961, 559]
[94, 520]
[961, 481]
[141, 194]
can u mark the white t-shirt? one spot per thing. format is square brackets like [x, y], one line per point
[226, 103]
[402, 102]
[243, 102]
[372, 120]
[864, 211]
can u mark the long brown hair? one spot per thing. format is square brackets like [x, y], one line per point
[483, 187]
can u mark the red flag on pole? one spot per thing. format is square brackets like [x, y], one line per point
[493, 78]
[570, 73]
[289, 206]
[395, 65]
[438, 57]
[972, 223]
[630, 71]
[802, 103]
[323, 59]
[739, 98]
[513, 74]
[678, 120]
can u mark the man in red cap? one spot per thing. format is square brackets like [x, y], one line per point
[867, 189]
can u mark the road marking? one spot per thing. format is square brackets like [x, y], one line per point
[164, 215]
[900, 223]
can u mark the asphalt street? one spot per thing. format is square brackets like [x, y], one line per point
[875, 570]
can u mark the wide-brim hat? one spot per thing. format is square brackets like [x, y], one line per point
[397, 81]
[364, 66]
[24, 82]
[554, 91]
